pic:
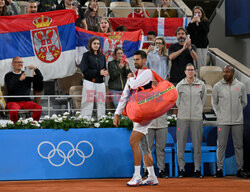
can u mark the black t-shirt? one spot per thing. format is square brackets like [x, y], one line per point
[198, 34]
[179, 63]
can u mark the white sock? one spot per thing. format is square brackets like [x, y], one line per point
[137, 170]
[151, 171]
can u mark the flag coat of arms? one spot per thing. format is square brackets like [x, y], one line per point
[46, 40]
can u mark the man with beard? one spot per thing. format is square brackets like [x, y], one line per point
[143, 77]
[181, 54]
[229, 99]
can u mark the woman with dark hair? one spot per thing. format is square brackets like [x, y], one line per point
[8, 7]
[198, 29]
[93, 66]
[104, 26]
[118, 71]
[91, 16]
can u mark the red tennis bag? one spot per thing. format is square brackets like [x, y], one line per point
[151, 103]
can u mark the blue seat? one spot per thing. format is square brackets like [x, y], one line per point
[169, 151]
[208, 155]
[188, 156]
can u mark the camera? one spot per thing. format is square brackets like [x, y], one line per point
[196, 15]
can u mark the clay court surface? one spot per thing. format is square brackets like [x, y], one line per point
[207, 184]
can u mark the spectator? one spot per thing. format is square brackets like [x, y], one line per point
[9, 7]
[104, 26]
[47, 5]
[190, 102]
[32, 7]
[157, 59]
[19, 83]
[93, 66]
[2, 101]
[139, 11]
[198, 29]
[121, 28]
[71, 4]
[150, 37]
[165, 11]
[229, 98]
[157, 132]
[118, 71]
[92, 18]
[181, 54]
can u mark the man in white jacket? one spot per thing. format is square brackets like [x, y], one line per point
[229, 99]
[143, 77]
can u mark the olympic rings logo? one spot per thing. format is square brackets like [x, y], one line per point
[60, 152]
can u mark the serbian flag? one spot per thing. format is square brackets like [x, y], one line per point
[165, 27]
[129, 41]
[46, 40]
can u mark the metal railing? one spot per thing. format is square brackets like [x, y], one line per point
[51, 104]
[108, 10]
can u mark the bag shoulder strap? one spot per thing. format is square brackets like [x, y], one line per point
[156, 76]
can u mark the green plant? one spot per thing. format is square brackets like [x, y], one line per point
[66, 122]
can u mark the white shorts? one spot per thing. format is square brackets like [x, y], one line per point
[142, 127]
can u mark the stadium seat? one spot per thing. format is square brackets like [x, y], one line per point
[23, 6]
[169, 151]
[211, 75]
[120, 12]
[64, 85]
[76, 90]
[208, 155]
[102, 9]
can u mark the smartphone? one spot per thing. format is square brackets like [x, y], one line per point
[124, 57]
[156, 48]
[28, 72]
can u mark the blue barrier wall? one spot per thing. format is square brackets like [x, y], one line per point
[78, 153]
[57, 154]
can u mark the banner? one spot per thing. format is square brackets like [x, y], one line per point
[129, 41]
[162, 26]
[46, 40]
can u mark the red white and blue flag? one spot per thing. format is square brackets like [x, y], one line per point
[165, 27]
[46, 40]
[129, 41]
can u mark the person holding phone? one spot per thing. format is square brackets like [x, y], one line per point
[18, 83]
[198, 29]
[118, 71]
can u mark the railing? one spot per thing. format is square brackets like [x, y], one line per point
[109, 9]
[50, 105]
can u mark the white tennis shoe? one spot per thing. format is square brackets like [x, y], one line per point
[135, 181]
